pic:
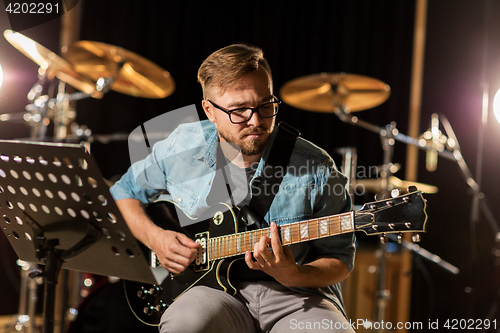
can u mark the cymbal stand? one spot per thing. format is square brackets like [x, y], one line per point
[388, 136]
[37, 115]
[27, 300]
[62, 117]
[383, 294]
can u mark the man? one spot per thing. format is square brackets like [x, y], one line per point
[299, 290]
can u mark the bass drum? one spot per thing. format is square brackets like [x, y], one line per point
[106, 310]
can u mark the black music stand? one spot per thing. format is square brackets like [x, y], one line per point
[56, 210]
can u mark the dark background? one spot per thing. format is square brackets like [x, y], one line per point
[372, 38]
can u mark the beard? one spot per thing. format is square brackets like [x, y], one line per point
[248, 147]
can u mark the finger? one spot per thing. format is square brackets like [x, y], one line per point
[186, 241]
[173, 267]
[174, 259]
[179, 252]
[250, 263]
[276, 241]
[262, 251]
[287, 251]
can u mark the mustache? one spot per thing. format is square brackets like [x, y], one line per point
[258, 129]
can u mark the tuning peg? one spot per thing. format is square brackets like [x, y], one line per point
[379, 196]
[383, 238]
[412, 188]
[395, 193]
[415, 237]
[400, 238]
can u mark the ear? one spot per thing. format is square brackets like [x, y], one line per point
[207, 107]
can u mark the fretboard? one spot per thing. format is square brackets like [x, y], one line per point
[293, 233]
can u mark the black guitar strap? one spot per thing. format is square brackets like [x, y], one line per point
[272, 175]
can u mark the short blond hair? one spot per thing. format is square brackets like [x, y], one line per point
[228, 65]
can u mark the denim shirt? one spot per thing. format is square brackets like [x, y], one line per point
[184, 164]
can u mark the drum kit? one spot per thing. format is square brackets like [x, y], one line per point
[91, 68]
[94, 68]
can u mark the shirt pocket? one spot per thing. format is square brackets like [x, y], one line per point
[293, 201]
[182, 197]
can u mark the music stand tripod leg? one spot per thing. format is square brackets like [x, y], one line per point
[52, 267]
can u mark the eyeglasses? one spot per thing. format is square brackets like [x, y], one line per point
[242, 115]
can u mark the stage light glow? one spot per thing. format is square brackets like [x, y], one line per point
[496, 105]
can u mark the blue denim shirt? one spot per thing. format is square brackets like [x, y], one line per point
[184, 165]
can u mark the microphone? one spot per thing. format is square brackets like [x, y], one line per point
[431, 159]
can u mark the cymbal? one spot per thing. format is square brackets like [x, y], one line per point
[320, 92]
[376, 185]
[129, 72]
[49, 61]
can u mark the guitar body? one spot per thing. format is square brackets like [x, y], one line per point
[148, 302]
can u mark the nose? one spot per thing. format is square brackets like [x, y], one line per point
[255, 120]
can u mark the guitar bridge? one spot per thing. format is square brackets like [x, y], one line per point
[201, 261]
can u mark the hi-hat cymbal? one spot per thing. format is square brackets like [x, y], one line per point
[49, 61]
[129, 73]
[376, 185]
[321, 92]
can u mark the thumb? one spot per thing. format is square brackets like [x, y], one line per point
[186, 241]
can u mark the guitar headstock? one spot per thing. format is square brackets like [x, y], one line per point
[402, 214]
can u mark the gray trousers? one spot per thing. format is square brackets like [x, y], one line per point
[259, 307]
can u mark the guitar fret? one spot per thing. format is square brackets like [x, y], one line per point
[346, 222]
[295, 233]
[286, 234]
[238, 243]
[214, 248]
[218, 247]
[334, 225]
[313, 229]
[323, 227]
[304, 231]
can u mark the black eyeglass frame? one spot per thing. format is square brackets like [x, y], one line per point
[255, 109]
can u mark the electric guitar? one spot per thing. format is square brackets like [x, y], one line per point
[222, 245]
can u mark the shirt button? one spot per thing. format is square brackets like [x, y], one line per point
[179, 200]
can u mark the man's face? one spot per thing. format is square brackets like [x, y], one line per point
[252, 90]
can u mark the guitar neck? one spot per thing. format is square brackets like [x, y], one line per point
[293, 233]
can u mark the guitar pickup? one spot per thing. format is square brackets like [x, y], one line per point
[201, 261]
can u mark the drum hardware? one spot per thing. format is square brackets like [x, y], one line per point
[376, 185]
[92, 68]
[325, 91]
[25, 318]
[341, 94]
[50, 64]
[349, 165]
[125, 72]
